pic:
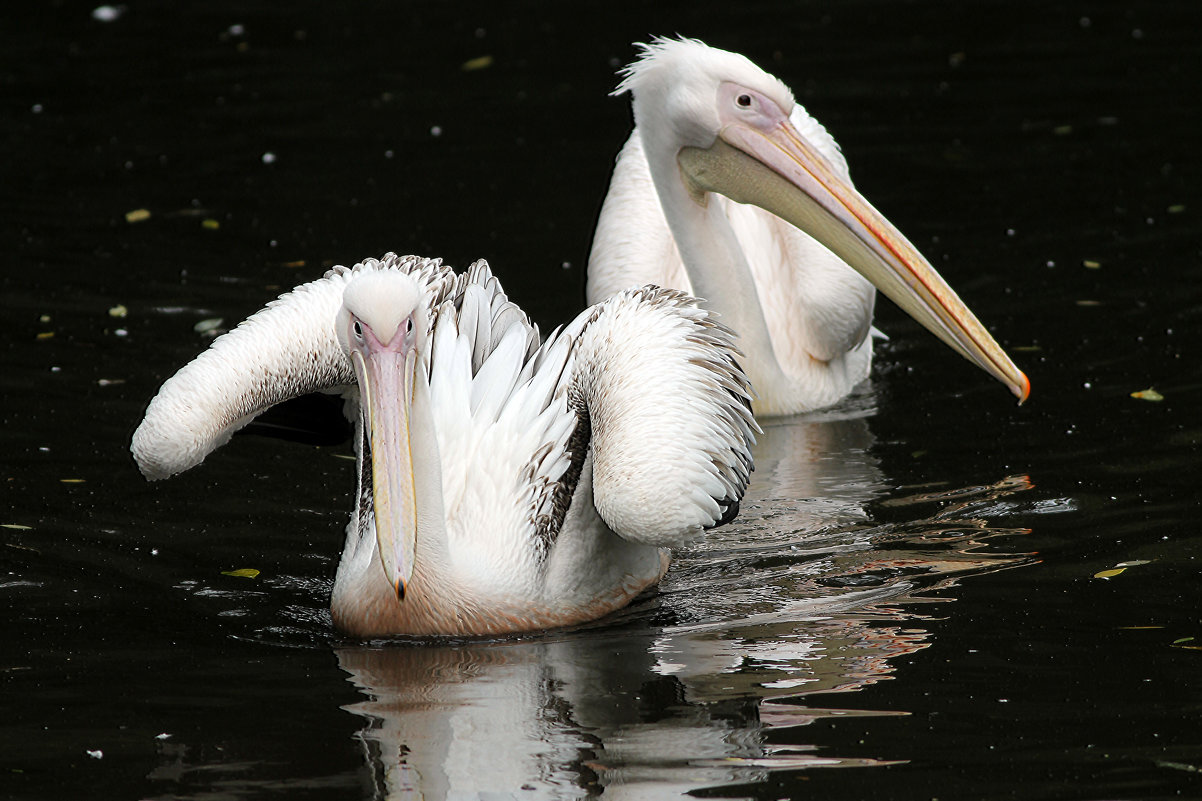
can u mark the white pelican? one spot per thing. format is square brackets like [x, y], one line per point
[713, 132]
[505, 483]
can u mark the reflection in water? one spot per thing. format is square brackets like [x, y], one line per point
[554, 718]
[679, 692]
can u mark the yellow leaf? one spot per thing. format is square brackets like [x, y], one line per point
[72, 480]
[479, 63]
[118, 311]
[16, 526]
[1107, 574]
[46, 335]
[137, 215]
[244, 572]
[1090, 264]
[210, 224]
[1148, 394]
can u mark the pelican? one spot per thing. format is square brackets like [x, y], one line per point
[506, 483]
[728, 190]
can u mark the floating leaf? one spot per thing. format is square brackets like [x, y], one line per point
[479, 63]
[297, 263]
[244, 572]
[1180, 640]
[1090, 264]
[1148, 394]
[1119, 568]
[72, 480]
[22, 547]
[209, 224]
[1176, 208]
[16, 526]
[118, 311]
[46, 335]
[208, 326]
[137, 215]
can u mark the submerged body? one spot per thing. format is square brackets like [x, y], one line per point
[728, 190]
[506, 483]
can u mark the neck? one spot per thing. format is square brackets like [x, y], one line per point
[721, 277]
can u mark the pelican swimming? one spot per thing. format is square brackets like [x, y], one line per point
[727, 189]
[506, 483]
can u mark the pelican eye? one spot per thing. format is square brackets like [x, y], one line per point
[358, 329]
[744, 100]
[409, 325]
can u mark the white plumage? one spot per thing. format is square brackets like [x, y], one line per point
[506, 483]
[729, 190]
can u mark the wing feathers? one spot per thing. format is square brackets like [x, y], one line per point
[503, 420]
[283, 351]
[670, 413]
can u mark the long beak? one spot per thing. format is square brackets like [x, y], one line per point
[777, 170]
[386, 392]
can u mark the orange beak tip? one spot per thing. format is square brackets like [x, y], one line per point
[1024, 389]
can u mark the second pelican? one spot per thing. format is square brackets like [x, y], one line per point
[727, 189]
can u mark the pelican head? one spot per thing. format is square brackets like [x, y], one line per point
[712, 121]
[381, 327]
[680, 80]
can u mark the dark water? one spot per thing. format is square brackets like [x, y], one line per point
[909, 606]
